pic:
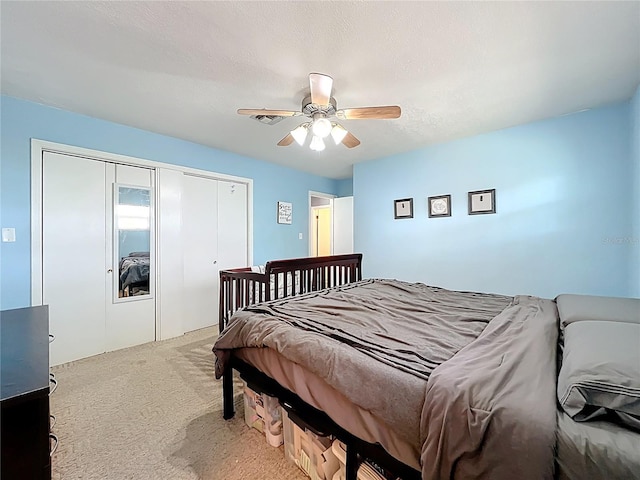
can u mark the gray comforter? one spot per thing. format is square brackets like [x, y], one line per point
[490, 411]
[134, 269]
[481, 361]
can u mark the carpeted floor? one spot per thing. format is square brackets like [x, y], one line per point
[155, 412]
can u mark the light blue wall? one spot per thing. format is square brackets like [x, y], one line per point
[133, 241]
[21, 120]
[635, 155]
[564, 200]
[345, 187]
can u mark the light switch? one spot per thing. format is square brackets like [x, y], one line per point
[300, 236]
[8, 234]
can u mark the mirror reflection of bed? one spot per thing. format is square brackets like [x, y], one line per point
[134, 274]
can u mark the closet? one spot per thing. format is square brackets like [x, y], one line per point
[126, 254]
[97, 255]
[214, 225]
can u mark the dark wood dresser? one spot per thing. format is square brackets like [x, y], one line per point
[24, 392]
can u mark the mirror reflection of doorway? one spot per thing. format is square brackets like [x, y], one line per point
[320, 224]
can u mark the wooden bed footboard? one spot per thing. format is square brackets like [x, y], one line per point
[241, 287]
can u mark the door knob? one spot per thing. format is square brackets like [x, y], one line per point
[110, 270]
[215, 261]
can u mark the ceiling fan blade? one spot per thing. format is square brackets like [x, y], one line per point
[388, 112]
[350, 141]
[264, 111]
[286, 141]
[321, 86]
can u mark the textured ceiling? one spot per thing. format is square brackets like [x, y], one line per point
[456, 69]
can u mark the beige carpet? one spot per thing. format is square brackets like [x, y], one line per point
[155, 412]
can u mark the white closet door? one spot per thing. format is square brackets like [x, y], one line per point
[232, 225]
[73, 258]
[342, 225]
[200, 243]
[131, 320]
[170, 276]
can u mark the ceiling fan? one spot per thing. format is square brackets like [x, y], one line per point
[320, 107]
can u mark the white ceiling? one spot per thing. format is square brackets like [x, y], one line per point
[456, 69]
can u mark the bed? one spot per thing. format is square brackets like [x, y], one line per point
[436, 383]
[134, 274]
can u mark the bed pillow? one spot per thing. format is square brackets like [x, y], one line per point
[600, 373]
[574, 308]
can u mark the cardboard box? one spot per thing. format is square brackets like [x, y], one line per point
[309, 451]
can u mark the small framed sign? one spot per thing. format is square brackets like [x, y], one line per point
[482, 201]
[285, 210]
[403, 208]
[439, 206]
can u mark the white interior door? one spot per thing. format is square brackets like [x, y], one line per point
[130, 297]
[74, 265]
[200, 243]
[342, 225]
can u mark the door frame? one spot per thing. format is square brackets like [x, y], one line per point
[330, 196]
[38, 147]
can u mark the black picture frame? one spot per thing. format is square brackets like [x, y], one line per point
[403, 208]
[482, 202]
[439, 206]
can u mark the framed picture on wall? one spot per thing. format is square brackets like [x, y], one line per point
[285, 211]
[403, 208]
[482, 201]
[439, 206]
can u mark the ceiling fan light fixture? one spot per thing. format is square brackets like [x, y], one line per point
[299, 134]
[321, 127]
[321, 107]
[338, 133]
[316, 144]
